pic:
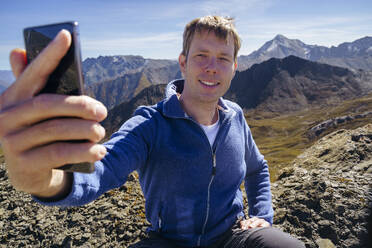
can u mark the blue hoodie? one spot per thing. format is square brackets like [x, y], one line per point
[192, 189]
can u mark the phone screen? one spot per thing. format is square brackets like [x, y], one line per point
[67, 78]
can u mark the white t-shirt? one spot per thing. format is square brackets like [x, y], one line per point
[211, 131]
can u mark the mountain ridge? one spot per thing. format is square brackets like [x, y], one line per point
[106, 68]
[353, 55]
[116, 79]
[274, 87]
[293, 83]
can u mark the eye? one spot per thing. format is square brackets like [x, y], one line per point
[225, 59]
[201, 55]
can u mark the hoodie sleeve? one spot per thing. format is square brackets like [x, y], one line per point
[257, 180]
[127, 150]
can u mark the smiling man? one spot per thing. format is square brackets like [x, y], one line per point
[208, 65]
[192, 150]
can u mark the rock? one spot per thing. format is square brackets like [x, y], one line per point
[327, 195]
[325, 243]
[24, 223]
[317, 130]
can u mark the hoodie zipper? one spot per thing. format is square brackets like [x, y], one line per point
[159, 223]
[210, 182]
[208, 197]
[213, 151]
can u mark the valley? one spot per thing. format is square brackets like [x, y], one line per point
[282, 138]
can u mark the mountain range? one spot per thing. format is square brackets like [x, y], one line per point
[274, 87]
[117, 79]
[292, 84]
[352, 55]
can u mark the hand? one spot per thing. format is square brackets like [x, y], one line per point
[31, 134]
[253, 223]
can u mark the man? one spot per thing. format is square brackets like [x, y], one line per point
[192, 150]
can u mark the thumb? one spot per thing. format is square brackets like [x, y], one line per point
[33, 78]
[18, 61]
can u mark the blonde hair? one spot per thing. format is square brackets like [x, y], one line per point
[222, 27]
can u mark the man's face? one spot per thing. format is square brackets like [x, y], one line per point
[208, 68]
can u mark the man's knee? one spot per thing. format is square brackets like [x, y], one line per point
[271, 237]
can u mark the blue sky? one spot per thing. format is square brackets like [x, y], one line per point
[153, 29]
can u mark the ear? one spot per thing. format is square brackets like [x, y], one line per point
[235, 67]
[182, 63]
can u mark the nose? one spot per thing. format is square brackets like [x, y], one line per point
[211, 66]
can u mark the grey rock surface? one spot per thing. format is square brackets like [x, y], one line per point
[325, 195]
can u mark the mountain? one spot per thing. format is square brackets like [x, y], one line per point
[116, 79]
[274, 87]
[108, 68]
[122, 112]
[353, 55]
[105, 68]
[279, 47]
[118, 90]
[293, 84]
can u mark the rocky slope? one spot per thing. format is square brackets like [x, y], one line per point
[119, 114]
[115, 219]
[325, 194]
[322, 199]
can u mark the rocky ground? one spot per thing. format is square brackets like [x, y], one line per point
[323, 200]
[325, 195]
[116, 219]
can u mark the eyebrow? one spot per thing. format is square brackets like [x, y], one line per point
[227, 54]
[207, 51]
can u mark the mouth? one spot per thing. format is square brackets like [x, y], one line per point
[209, 84]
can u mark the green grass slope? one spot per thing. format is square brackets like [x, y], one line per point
[281, 139]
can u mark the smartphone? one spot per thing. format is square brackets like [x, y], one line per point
[67, 78]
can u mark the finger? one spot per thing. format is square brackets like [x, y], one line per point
[47, 106]
[250, 222]
[244, 224]
[254, 224]
[60, 153]
[34, 77]
[264, 223]
[258, 222]
[18, 61]
[61, 129]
